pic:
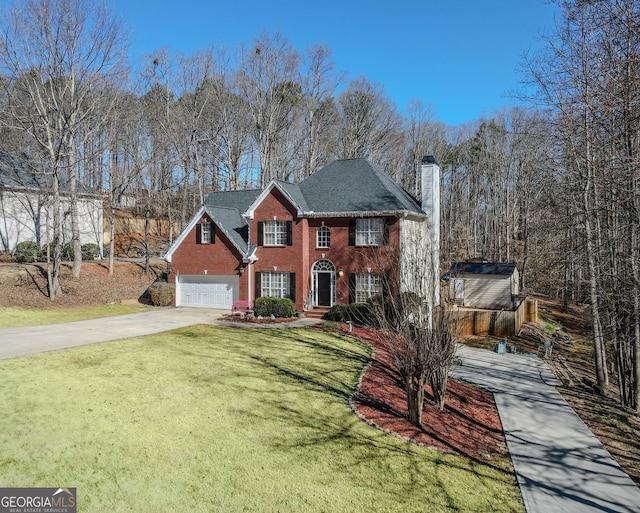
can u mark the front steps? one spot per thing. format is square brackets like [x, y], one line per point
[317, 312]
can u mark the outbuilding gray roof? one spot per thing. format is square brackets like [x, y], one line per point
[481, 268]
[345, 187]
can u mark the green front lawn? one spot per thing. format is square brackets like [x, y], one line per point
[211, 419]
[13, 317]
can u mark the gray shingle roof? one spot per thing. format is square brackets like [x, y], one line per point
[16, 171]
[296, 194]
[240, 200]
[355, 186]
[344, 187]
[231, 222]
[481, 268]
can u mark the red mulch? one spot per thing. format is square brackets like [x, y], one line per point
[468, 425]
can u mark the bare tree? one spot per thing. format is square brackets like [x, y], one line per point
[269, 82]
[58, 56]
[589, 76]
[414, 328]
[370, 125]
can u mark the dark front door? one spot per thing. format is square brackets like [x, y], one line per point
[324, 289]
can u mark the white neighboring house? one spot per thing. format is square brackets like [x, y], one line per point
[25, 206]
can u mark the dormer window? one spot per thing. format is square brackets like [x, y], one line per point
[323, 237]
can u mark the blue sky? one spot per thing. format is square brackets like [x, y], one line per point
[460, 56]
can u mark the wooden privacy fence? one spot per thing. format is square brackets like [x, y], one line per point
[498, 323]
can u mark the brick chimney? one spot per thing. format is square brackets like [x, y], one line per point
[430, 174]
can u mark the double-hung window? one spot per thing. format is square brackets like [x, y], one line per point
[367, 285]
[205, 233]
[323, 237]
[369, 232]
[275, 284]
[275, 233]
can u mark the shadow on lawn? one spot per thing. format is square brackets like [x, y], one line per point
[311, 360]
[325, 381]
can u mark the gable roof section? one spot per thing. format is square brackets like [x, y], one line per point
[482, 268]
[352, 186]
[240, 200]
[290, 191]
[228, 220]
[232, 224]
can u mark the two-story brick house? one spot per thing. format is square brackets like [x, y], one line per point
[323, 241]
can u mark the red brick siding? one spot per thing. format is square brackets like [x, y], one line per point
[219, 258]
[351, 259]
[275, 207]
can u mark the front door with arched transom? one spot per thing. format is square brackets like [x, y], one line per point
[324, 283]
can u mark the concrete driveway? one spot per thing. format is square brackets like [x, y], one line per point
[40, 339]
[52, 337]
[560, 465]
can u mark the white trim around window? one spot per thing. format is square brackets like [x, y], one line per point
[275, 284]
[205, 233]
[323, 237]
[275, 233]
[367, 285]
[369, 232]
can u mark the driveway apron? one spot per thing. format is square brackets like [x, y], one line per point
[38, 339]
[560, 465]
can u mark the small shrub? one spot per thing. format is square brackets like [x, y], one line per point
[6, 257]
[90, 251]
[357, 313]
[336, 313]
[278, 307]
[66, 251]
[27, 251]
[161, 293]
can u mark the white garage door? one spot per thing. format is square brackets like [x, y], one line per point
[206, 291]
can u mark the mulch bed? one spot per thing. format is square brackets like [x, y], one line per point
[256, 320]
[468, 425]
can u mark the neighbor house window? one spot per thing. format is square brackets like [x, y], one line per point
[275, 284]
[323, 237]
[205, 237]
[367, 285]
[369, 232]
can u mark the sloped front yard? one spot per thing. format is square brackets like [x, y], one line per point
[223, 419]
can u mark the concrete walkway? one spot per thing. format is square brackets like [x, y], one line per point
[560, 465]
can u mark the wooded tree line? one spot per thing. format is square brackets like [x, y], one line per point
[552, 187]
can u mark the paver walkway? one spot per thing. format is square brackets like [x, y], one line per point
[560, 465]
